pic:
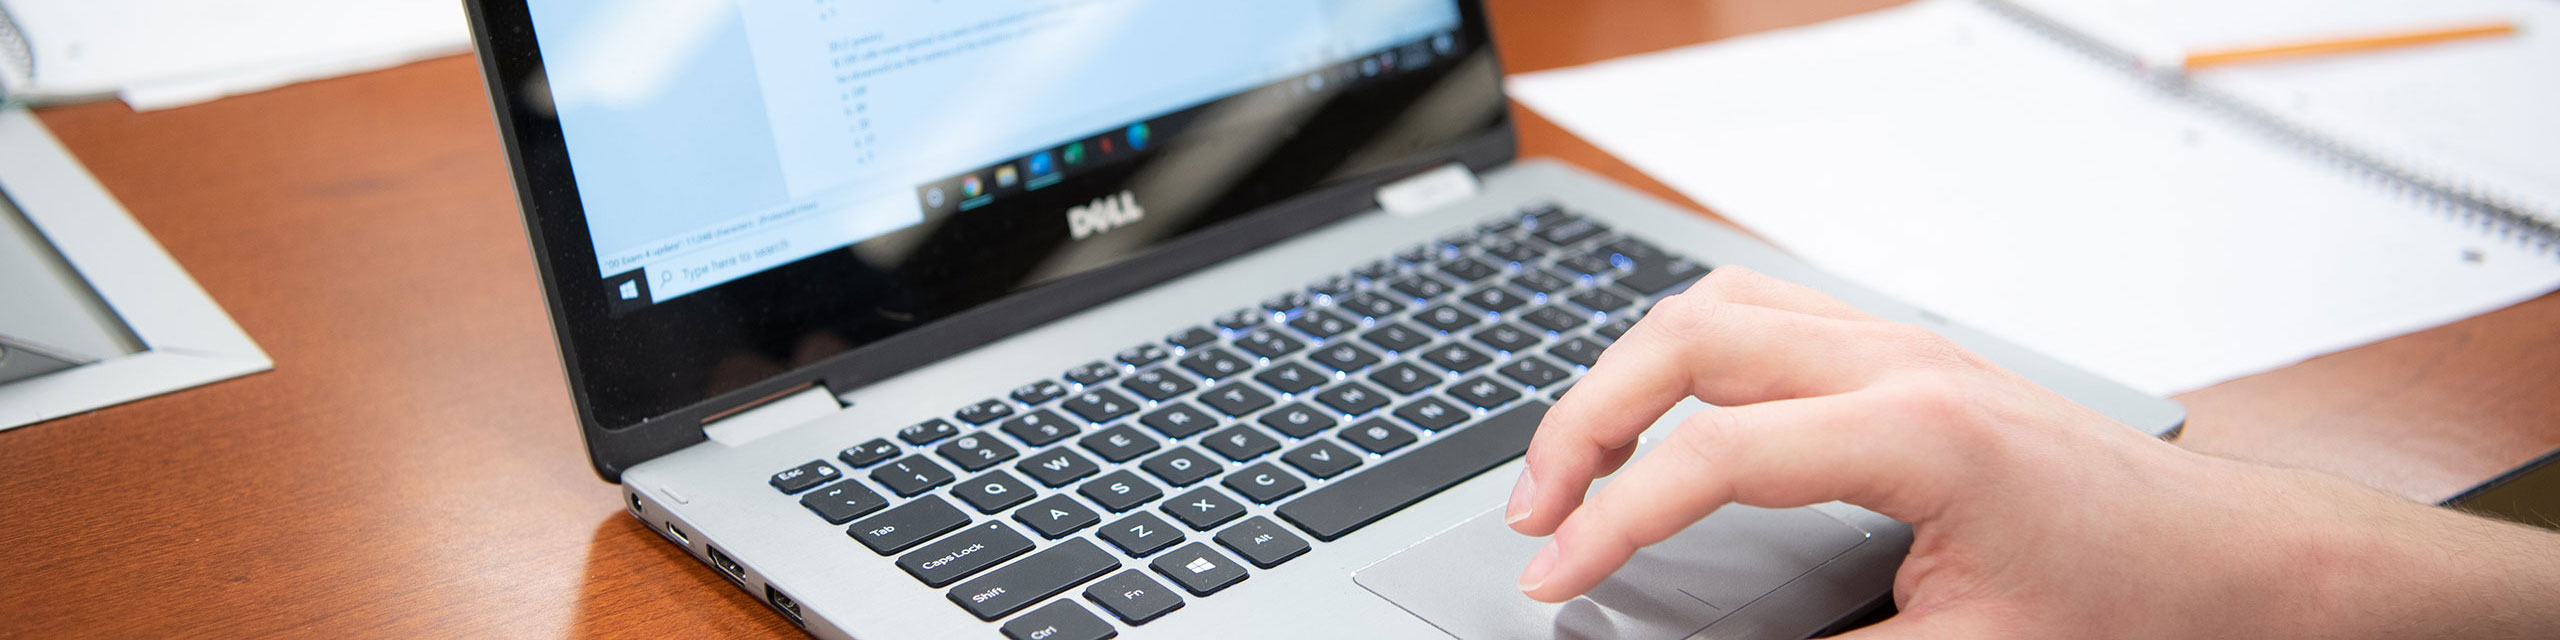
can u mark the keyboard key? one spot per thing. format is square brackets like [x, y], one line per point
[1203, 508]
[1294, 377]
[1120, 491]
[1100, 405]
[1057, 467]
[948, 560]
[1344, 357]
[1240, 443]
[1352, 398]
[1541, 281]
[1378, 436]
[1421, 287]
[1093, 372]
[1601, 300]
[1354, 501]
[985, 411]
[1038, 392]
[927, 432]
[1457, 357]
[1178, 420]
[1533, 371]
[801, 478]
[1235, 399]
[1322, 459]
[1570, 233]
[1513, 250]
[1133, 596]
[1396, 337]
[1262, 542]
[1495, 299]
[1263, 483]
[1586, 265]
[1418, 254]
[1448, 318]
[1654, 278]
[1483, 391]
[1323, 324]
[1469, 269]
[1159, 384]
[1035, 578]
[1056, 516]
[1375, 269]
[1502, 223]
[1061, 620]
[1192, 338]
[911, 475]
[1556, 318]
[1141, 534]
[841, 502]
[1431, 414]
[1269, 344]
[1579, 351]
[1616, 329]
[1297, 420]
[1119, 444]
[993, 492]
[1459, 240]
[1240, 319]
[1181, 467]
[896, 529]
[1634, 251]
[1215, 364]
[1369, 303]
[977, 451]
[1285, 302]
[1143, 355]
[1199, 569]
[1333, 286]
[1405, 378]
[1509, 337]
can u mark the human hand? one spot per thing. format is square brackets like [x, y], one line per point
[2032, 516]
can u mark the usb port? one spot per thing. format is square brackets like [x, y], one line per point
[677, 535]
[790, 608]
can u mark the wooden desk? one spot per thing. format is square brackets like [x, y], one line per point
[410, 469]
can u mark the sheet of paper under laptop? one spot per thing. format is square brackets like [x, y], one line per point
[1973, 165]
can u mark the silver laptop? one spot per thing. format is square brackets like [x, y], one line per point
[1073, 319]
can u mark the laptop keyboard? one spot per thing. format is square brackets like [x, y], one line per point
[1172, 470]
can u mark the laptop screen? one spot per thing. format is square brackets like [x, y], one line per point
[715, 140]
[727, 193]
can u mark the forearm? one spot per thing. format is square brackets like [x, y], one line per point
[2398, 569]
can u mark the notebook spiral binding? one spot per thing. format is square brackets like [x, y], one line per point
[17, 56]
[2459, 200]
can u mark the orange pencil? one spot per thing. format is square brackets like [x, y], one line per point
[2357, 44]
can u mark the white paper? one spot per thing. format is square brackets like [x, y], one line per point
[165, 53]
[1954, 159]
[2479, 112]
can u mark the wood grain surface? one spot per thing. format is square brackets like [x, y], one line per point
[411, 467]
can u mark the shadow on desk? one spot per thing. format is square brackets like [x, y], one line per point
[611, 605]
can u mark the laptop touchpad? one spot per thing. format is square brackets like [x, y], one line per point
[1462, 580]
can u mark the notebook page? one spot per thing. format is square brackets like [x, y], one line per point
[2475, 112]
[1952, 158]
[159, 53]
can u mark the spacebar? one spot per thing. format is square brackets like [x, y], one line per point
[1354, 502]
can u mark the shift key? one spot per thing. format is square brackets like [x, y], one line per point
[1034, 578]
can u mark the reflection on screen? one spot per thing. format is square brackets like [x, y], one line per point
[713, 139]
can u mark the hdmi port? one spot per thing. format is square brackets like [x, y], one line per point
[727, 565]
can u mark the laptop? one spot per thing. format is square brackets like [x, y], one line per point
[1074, 319]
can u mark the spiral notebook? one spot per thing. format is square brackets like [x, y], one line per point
[2010, 171]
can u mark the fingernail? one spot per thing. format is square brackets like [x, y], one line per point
[1536, 575]
[1518, 509]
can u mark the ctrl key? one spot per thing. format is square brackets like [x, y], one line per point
[1061, 620]
[1033, 578]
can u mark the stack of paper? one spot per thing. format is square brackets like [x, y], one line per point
[165, 53]
[1957, 159]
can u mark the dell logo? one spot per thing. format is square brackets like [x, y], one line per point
[1106, 213]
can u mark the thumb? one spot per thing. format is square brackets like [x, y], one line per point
[1907, 626]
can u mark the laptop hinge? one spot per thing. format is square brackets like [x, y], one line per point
[771, 415]
[1428, 191]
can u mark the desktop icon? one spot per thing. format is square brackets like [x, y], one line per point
[971, 187]
[1041, 165]
[1006, 176]
[933, 197]
[1074, 153]
[1369, 67]
[1443, 43]
[1137, 137]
